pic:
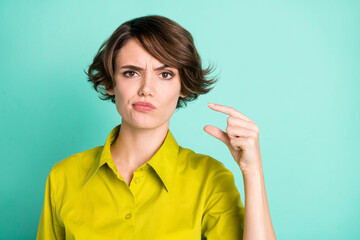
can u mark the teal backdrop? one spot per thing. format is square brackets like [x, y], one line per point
[291, 66]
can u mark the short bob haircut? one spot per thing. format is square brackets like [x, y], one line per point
[166, 41]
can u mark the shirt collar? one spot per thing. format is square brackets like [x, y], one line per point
[163, 161]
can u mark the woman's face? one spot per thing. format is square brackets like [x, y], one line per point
[142, 78]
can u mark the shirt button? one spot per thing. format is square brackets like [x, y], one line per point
[137, 180]
[127, 216]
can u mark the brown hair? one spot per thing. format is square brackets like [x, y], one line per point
[166, 41]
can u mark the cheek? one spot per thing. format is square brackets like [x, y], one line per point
[121, 100]
[123, 92]
[170, 99]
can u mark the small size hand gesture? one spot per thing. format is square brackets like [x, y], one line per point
[241, 137]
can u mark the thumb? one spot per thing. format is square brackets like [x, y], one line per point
[217, 133]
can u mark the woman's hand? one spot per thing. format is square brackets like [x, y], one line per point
[241, 137]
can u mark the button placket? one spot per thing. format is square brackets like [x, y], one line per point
[137, 180]
[139, 174]
[128, 216]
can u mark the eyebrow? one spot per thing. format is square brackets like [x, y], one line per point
[136, 68]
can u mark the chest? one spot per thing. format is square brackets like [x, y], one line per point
[125, 172]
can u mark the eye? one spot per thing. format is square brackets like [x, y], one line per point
[131, 73]
[167, 74]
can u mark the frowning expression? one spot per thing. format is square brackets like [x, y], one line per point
[140, 77]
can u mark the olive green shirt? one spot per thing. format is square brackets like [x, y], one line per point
[177, 194]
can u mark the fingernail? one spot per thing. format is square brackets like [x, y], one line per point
[211, 104]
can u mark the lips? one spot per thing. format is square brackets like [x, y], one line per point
[146, 104]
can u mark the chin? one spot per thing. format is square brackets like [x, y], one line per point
[145, 123]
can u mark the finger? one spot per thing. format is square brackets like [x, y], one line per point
[228, 110]
[239, 144]
[217, 133]
[236, 132]
[239, 122]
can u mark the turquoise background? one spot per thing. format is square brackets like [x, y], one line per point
[291, 66]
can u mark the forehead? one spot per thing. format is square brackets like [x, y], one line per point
[133, 53]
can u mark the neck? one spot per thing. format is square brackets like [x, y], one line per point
[135, 146]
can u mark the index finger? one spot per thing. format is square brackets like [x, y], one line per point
[228, 110]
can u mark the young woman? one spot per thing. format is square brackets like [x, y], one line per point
[141, 184]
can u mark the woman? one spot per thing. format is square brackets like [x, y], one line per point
[141, 184]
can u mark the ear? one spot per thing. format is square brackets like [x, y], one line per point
[110, 91]
[182, 95]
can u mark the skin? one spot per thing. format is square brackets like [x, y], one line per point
[242, 139]
[142, 133]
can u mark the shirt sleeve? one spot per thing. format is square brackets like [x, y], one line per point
[49, 226]
[223, 216]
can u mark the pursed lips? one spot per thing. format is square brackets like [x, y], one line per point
[146, 104]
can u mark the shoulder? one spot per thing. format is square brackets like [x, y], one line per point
[212, 171]
[212, 175]
[200, 162]
[77, 163]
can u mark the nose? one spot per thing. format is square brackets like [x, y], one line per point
[146, 85]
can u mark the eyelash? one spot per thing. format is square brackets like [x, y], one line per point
[169, 73]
